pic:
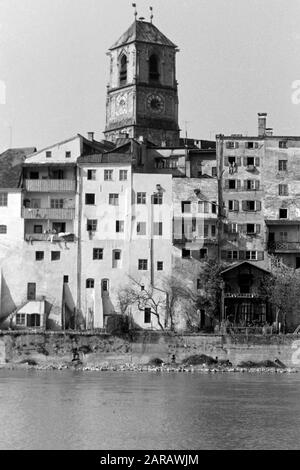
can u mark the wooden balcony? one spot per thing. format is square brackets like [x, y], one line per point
[45, 237]
[239, 295]
[194, 239]
[283, 247]
[49, 185]
[47, 213]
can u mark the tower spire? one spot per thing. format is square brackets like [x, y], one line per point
[135, 11]
[151, 15]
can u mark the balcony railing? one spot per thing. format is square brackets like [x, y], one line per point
[45, 237]
[283, 246]
[236, 295]
[50, 185]
[47, 213]
[195, 239]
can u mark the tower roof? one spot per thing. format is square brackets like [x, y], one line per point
[142, 31]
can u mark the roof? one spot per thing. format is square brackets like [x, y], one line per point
[142, 31]
[11, 166]
[237, 265]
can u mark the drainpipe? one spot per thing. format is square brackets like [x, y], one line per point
[78, 306]
[219, 155]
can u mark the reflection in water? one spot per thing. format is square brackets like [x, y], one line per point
[111, 410]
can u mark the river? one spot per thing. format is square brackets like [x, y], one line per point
[128, 410]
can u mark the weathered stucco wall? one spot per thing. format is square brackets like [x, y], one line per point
[56, 347]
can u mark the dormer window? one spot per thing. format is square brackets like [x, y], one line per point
[123, 70]
[153, 68]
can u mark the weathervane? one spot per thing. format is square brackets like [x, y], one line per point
[151, 16]
[135, 12]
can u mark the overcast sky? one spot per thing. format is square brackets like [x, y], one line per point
[237, 58]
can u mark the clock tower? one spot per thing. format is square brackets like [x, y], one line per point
[142, 96]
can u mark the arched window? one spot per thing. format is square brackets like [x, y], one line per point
[153, 68]
[90, 283]
[123, 70]
[105, 285]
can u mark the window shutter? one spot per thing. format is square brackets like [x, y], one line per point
[245, 161]
[223, 254]
[245, 185]
[257, 228]
[236, 145]
[244, 205]
[238, 184]
[238, 161]
[241, 255]
[260, 255]
[226, 184]
[226, 161]
[225, 228]
[256, 145]
[256, 184]
[236, 205]
[257, 205]
[257, 161]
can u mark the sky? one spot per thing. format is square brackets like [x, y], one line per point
[237, 58]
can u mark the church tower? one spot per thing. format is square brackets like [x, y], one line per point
[142, 97]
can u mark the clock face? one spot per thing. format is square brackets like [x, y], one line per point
[121, 105]
[155, 103]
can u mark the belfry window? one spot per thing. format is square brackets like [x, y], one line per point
[153, 68]
[123, 70]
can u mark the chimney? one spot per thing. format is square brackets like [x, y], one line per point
[269, 131]
[262, 121]
[90, 136]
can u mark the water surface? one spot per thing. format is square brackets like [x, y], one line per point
[115, 410]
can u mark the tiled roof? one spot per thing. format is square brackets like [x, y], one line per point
[11, 166]
[142, 31]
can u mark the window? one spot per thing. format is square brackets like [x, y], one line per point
[56, 203]
[147, 315]
[55, 255]
[34, 175]
[250, 185]
[141, 198]
[90, 198]
[59, 227]
[283, 236]
[91, 174]
[3, 199]
[31, 290]
[203, 207]
[251, 145]
[233, 205]
[282, 144]
[48, 154]
[282, 165]
[105, 285]
[250, 161]
[205, 231]
[232, 184]
[97, 253]
[116, 258]
[248, 206]
[35, 203]
[185, 253]
[213, 230]
[3, 229]
[91, 225]
[232, 228]
[108, 174]
[231, 145]
[119, 226]
[141, 228]
[123, 175]
[143, 264]
[68, 154]
[153, 68]
[66, 279]
[123, 70]
[251, 255]
[157, 198]
[203, 253]
[57, 174]
[113, 199]
[160, 265]
[250, 228]
[37, 229]
[89, 283]
[283, 190]
[232, 254]
[282, 213]
[20, 319]
[39, 255]
[157, 228]
[214, 171]
[214, 207]
[186, 206]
